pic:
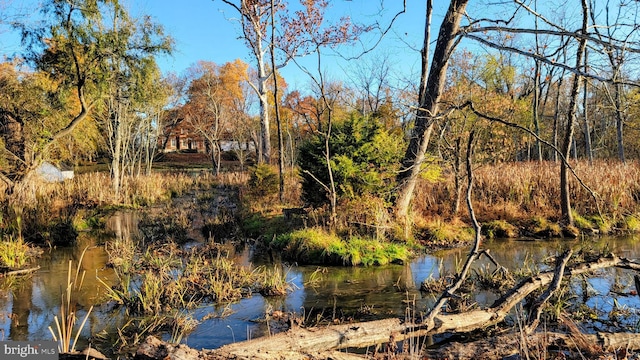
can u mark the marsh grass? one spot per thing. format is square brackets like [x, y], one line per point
[631, 223]
[64, 333]
[317, 246]
[439, 232]
[512, 199]
[274, 281]
[435, 285]
[316, 278]
[50, 212]
[159, 278]
[542, 227]
[500, 229]
[164, 280]
[518, 192]
[487, 277]
[15, 253]
[511, 192]
[176, 324]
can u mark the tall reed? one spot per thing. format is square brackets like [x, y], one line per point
[65, 334]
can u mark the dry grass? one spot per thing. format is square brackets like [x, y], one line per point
[513, 192]
[516, 192]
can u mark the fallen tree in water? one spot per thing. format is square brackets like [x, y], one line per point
[496, 347]
[362, 335]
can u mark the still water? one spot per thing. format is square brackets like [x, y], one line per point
[28, 309]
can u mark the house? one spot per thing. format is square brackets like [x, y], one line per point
[179, 135]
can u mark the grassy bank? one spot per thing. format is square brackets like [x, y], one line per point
[510, 199]
[316, 246]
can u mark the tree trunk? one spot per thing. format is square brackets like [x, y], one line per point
[536, 108]
[333, 195]
[431, 88]
[12, 135]
[277, 108]
[536, 92]
[216, 156]
[619, 123]
[456, 178]
[587, 127]
[556, 120]
[565, 200]
[265, 131]
[116, 154]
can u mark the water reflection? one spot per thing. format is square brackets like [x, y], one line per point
[341, 293]
[30, 305]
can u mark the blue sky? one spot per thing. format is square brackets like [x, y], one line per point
[202, 30]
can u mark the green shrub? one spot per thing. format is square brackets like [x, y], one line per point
[544, 228]
[603, 223]
[310, 246]
[14, 254]
[263, 180]
[581, 222]
[365, 159]
[442, 233]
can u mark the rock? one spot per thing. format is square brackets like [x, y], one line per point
[156, 349]
[183, 352]
[152, 348]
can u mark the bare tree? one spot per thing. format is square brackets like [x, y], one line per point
[371, 82]
[565, 200]
[255, 16]
[432, 82]
[487, 31]
[616, 52]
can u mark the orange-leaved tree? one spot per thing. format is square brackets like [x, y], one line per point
[215, 103]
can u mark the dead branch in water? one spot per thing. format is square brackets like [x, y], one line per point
[359, 335]
[19, 272]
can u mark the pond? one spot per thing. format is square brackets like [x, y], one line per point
[341, 293]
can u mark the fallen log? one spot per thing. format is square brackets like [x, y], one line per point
[8, 272]
[360, 335]
[511, 345]
[155, 349]
[301, 340]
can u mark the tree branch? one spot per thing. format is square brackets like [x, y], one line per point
[470, 105]
[536, 308]
[547, 61]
